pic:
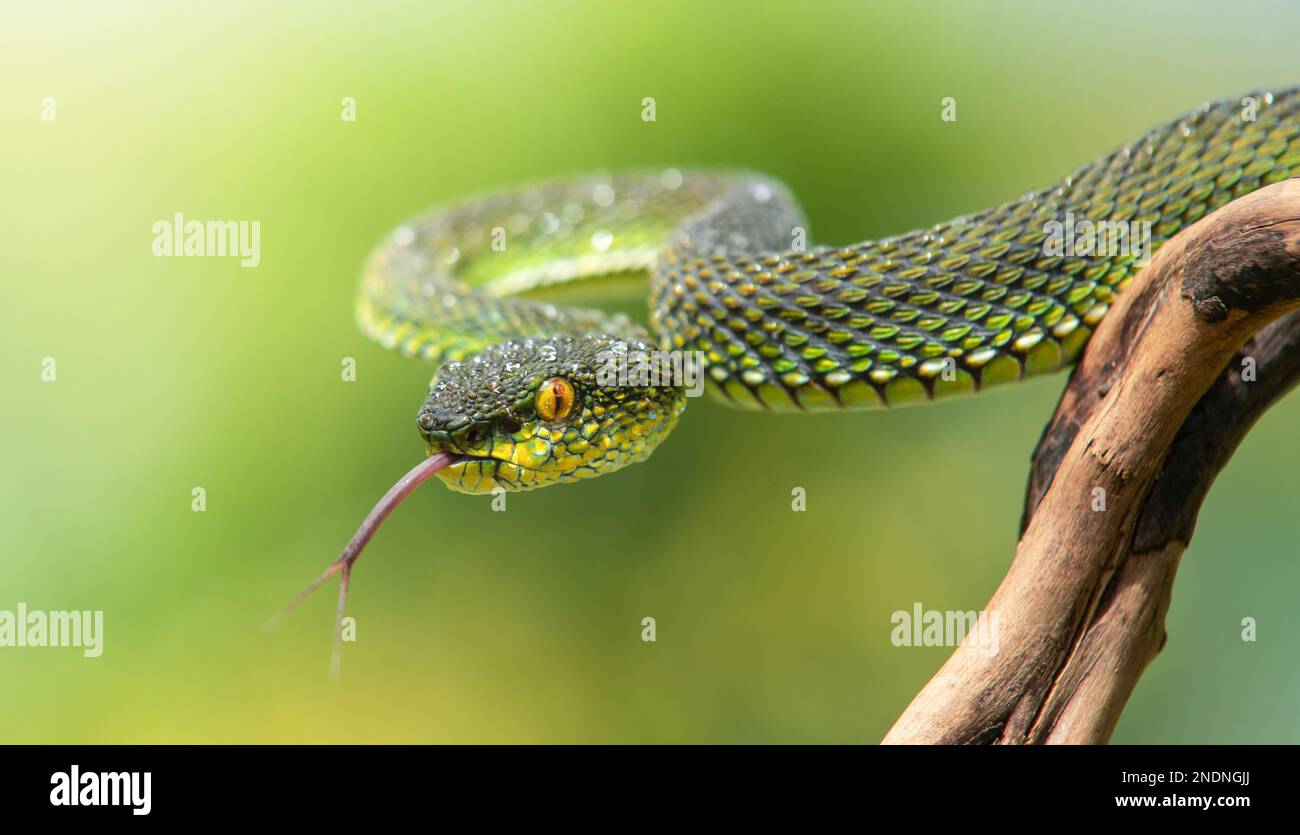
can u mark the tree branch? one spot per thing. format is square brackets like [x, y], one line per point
[1152, 413]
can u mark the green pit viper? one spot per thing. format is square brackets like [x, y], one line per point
[519, 400]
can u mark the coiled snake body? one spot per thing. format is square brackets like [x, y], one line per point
[969, 304]
[523, 398]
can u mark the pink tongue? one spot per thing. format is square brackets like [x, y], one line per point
[406, 485]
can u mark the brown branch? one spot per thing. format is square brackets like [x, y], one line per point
[1152, 413]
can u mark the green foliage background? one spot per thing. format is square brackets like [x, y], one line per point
[524, 626]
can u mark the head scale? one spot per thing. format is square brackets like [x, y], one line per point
[533, 412]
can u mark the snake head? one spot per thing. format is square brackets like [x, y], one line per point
[529, 413]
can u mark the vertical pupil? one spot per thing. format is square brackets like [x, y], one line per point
[553, 400]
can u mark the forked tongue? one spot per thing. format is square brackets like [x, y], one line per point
[342, 566]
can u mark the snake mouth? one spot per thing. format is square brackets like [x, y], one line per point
[469, 473]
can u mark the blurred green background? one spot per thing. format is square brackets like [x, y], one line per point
[772, 625]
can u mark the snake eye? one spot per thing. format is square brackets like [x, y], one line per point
[555, 399]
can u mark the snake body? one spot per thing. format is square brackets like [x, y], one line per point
[969, 304]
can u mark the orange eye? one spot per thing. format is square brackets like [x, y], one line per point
[555, 399]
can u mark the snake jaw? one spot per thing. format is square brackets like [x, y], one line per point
[508, 460]
[480, 474]
[485, 454]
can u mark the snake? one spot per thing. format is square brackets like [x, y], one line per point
[523, 396]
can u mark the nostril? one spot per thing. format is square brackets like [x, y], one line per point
[476, 435]
[425, 422]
